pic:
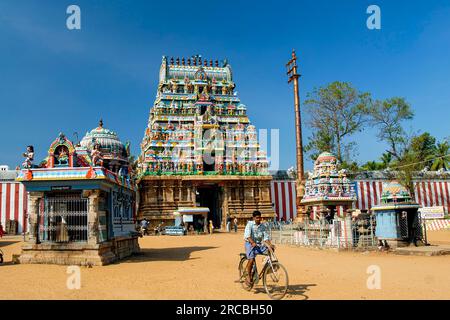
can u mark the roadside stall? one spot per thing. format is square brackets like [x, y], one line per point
[189, 220]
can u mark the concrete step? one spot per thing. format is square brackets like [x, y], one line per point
[429, 251]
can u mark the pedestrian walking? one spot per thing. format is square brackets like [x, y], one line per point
[235, 224]
[211, 227]
[228, 224]
[1, 230]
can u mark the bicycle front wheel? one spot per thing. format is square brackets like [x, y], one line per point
[276, 281]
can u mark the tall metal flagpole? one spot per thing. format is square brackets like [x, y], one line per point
[293, 77]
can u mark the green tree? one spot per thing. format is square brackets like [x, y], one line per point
[419, 151]
[133, 162]
[336, 112]
[350, 166]
[424, 148]
[441, 157]
[319, 142]
[406, 169]
[388, 116]
[373, 166]
[386, 159]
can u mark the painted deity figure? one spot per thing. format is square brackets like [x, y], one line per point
[96, 155]
[174, 86]
[186, 84]
[198, 116]
[63, 157]
[29, 157]
[209, 116]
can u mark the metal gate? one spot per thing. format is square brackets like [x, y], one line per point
[63, 219]
[403, 224]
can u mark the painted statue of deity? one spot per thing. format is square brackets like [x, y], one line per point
[174, 86]
[209, 116]
[63, 156]
[29, 158]
[96, 155]
[198, 115]
[187, 85]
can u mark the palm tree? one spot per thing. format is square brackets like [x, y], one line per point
[441, 157]
[371, 166]
[386, 159]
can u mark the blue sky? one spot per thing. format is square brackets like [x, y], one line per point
[53, 79]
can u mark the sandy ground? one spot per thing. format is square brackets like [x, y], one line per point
[205, 267]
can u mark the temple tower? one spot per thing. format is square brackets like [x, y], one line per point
[199, 148]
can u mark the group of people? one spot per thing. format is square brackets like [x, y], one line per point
[230, 221]
[144, 227]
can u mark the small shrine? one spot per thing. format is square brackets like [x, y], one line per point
[328, 192]
[397, 216]
[200, 149]
[82, 202]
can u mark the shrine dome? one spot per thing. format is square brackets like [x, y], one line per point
[108, 140]
[326, 157]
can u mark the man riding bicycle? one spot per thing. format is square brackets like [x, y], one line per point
[254, 235]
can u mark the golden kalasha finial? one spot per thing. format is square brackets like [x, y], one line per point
[217, 63]
[189, 61]
[183, 61]
[100, 123]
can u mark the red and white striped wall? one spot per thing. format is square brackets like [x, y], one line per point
[13, 204]
[437, 224]
[428, 193]
[283, 195]
[368, 193]
[433, 193]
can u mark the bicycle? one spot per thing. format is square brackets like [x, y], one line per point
[1, 256]
[274, 275]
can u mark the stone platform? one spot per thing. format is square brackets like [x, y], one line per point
[429, 251]
[82, 254]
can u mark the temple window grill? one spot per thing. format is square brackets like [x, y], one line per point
[63, 218]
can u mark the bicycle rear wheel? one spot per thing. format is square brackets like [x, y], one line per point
[243, 275]
[276, 281]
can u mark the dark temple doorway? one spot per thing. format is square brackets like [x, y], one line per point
[210, 197]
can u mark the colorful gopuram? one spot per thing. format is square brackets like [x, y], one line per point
[82, 202]
[328, 192]
[199, 148]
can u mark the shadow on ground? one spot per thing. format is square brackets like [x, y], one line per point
[293, 290]
[7, 243]
[166, 254]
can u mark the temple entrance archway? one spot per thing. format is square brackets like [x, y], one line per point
[210, 196]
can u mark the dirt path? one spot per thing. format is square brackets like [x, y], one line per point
[205, 267]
